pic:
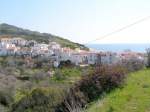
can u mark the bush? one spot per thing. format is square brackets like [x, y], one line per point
[148, 57]
[103, 79]
[5, 98]
[39, 100]
[39, 76]
[66, 64]
[58, 76]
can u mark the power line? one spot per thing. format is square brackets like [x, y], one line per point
[121, 29]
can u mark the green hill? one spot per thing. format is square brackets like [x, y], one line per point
[133, 97]
[11, 30]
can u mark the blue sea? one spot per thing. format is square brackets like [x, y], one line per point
[119, 47]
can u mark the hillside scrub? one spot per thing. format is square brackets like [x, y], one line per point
[100, 80]
[5, 98]
[51, 91]
[39, 100]
[86, 84]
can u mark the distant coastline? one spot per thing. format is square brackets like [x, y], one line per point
[119, 47]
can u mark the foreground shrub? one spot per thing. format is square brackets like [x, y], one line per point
[103, 79]
[39, 100]
[39, 76]
[5, 98]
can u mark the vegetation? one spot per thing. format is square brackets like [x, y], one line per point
[11, 30]
[19, 84]
[39, 100]
[42, 88]
[148, 57]
[133, 97]
[92, 86]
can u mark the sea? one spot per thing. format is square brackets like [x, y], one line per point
[119, 47]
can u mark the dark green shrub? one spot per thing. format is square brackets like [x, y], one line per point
[23, 78]
[5, 98]
[66, 64]
[103, 79]
[148, 57]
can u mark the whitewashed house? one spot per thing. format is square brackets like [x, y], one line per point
[7, 49]
[79, 58]
[92, 57]
[112, 58]
[18, 41]
[57, 50]
[41, 49]
[66, 54]
[6, 40]
[26, 51]
[54, 45]
[31, 43]
[107, 58]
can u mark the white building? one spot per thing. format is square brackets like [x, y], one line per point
[7, 49]
[31, 43]
[23, 51]
[6, 40]
[54, 45]
[18, 41]
[92, 57]
[41, 49]
[79, 58]
[109, 58]
[66, 54]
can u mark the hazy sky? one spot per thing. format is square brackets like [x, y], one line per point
[80, 20]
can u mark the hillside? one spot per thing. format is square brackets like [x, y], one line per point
[11, 30]
[134, 97]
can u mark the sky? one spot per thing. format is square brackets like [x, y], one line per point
[81, 20]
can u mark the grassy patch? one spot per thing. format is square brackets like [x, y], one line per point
[134, 97]
[67, 75]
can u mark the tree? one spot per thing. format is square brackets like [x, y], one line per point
[148, 57]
